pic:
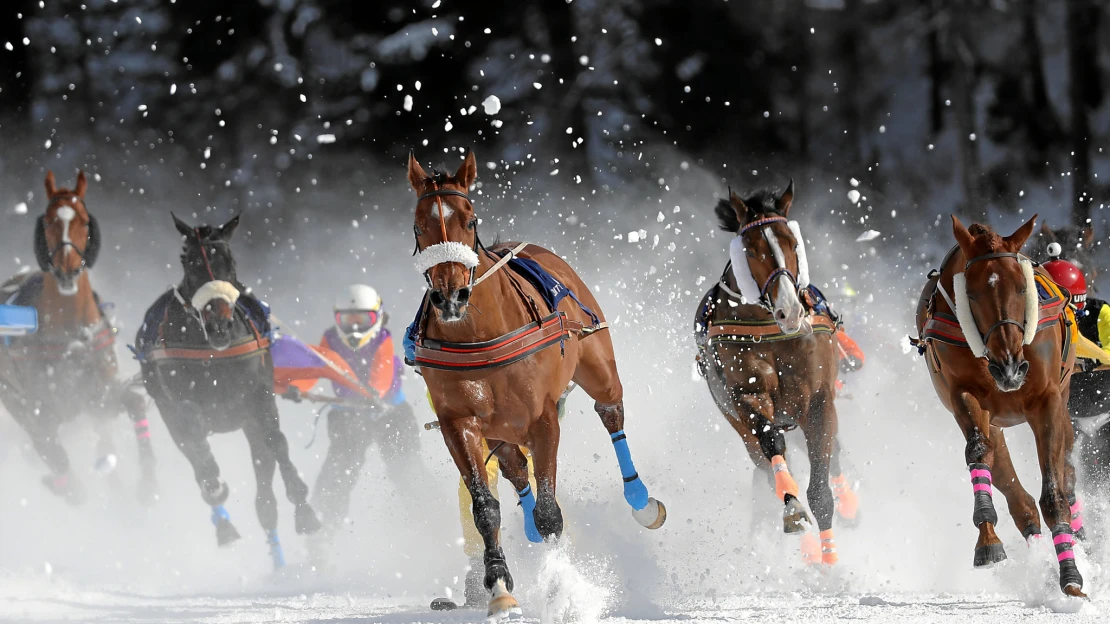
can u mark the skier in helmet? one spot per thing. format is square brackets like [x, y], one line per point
[360, 337]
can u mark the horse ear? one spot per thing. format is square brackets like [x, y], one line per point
[82, 184]
[468, 171]
[182, 227]
[1088, 237]
[417, 176]
[963, 238]
[51, 187]
[782, 204]
[227, 229]
[1017, 240]
[1047, 233]
[739, 207]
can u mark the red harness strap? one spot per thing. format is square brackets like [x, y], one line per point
[501, 351]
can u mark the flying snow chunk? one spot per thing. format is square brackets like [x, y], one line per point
[408, 103]
[325, 138]
[173, 89]
[8, 46]
[866, 236]
[660, 217]
[21, 208]
[447, 127]
[48, 144]
[492, 105]
[854, 182]
[633, 237]
[537, 85]
[853, 196]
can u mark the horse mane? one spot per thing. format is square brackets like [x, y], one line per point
[760, 204]
[441, 177]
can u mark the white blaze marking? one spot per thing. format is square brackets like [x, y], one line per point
[447, 211]
[66, 214]
[773, 241]
[993, 280]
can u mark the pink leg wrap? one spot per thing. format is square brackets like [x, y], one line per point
[1077, 515]
[142, 429]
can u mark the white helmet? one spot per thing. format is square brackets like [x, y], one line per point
[358, 314]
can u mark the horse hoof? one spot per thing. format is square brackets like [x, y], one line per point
[1071, 582]
[226, 533]
[811, 549]
[216, 497]
[443, 604]
[502, 604]
[1081, 534]
[1074, 591]
[306, 521]
[652, 516]
[794, 516]
[989, 555]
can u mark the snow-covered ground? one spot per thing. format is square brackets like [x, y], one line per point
[720, 557]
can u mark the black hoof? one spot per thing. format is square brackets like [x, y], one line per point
[989, 555]
[306, 521]
[1031, 531]
[1071, 582]
[443, 604]
[794, 516]
[497, 570]
[226, 533]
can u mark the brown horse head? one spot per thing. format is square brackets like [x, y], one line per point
[768, 254]
[446, 235]
[996, 299]
[67, 239]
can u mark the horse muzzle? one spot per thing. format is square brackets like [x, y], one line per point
[451, 306]
[1009, 376]
[219, 319]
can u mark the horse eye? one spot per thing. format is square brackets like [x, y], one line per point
[416, 228]
[473, 224]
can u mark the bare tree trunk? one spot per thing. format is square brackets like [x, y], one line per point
[936, 67]
[963, 101]
[802, 81]
[852, 85]
[1084, 92]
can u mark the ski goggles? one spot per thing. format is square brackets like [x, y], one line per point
[355, 320]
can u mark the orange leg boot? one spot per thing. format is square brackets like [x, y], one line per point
[794, 516]
[828, 548]
[847, 503]
[811, 549]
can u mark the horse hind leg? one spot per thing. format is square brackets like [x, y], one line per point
[514, 465]
[1023, 508]
[265, 503]
[43, 431]
[847, 500]
[296, 490]
[754, 412]
[597, 374]
[648, 511]
[820, 431]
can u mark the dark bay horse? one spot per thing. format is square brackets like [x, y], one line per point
[204, 350]
[69, 366]
[999, 356]
[498, 372]
[1075, 244]
[769, 354]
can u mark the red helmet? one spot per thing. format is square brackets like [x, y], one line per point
[1070, 277]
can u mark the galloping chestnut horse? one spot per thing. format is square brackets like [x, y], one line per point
[997, 336]
[769, 356]
[69, 366]
[498, 372]
[204, 350]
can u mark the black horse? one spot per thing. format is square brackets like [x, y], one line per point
[204, 350]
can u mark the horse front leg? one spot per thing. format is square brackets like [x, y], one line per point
[979, 455]
[186, 430]
[463, 436]
[1055, 437]
[43, 430]
[545, 434]
[268, 423]
[135, 406]
[754, 412]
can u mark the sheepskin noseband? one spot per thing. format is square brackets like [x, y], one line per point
[967, 319]
[441, 253]
[216, 289]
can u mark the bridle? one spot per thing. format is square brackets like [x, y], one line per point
[47, 255]
[1006, 321]
[764, 300]
[438, 194]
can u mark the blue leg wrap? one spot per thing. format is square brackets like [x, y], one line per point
[635, 492]
[528, 504]
[277, 553]
[218, 514]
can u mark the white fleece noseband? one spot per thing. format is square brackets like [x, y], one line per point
[216, 289]
[742, 271]
[441, 253]
[967, 319]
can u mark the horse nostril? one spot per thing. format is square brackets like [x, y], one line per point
[463, 296]
[1023, 368]
[437, 298]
